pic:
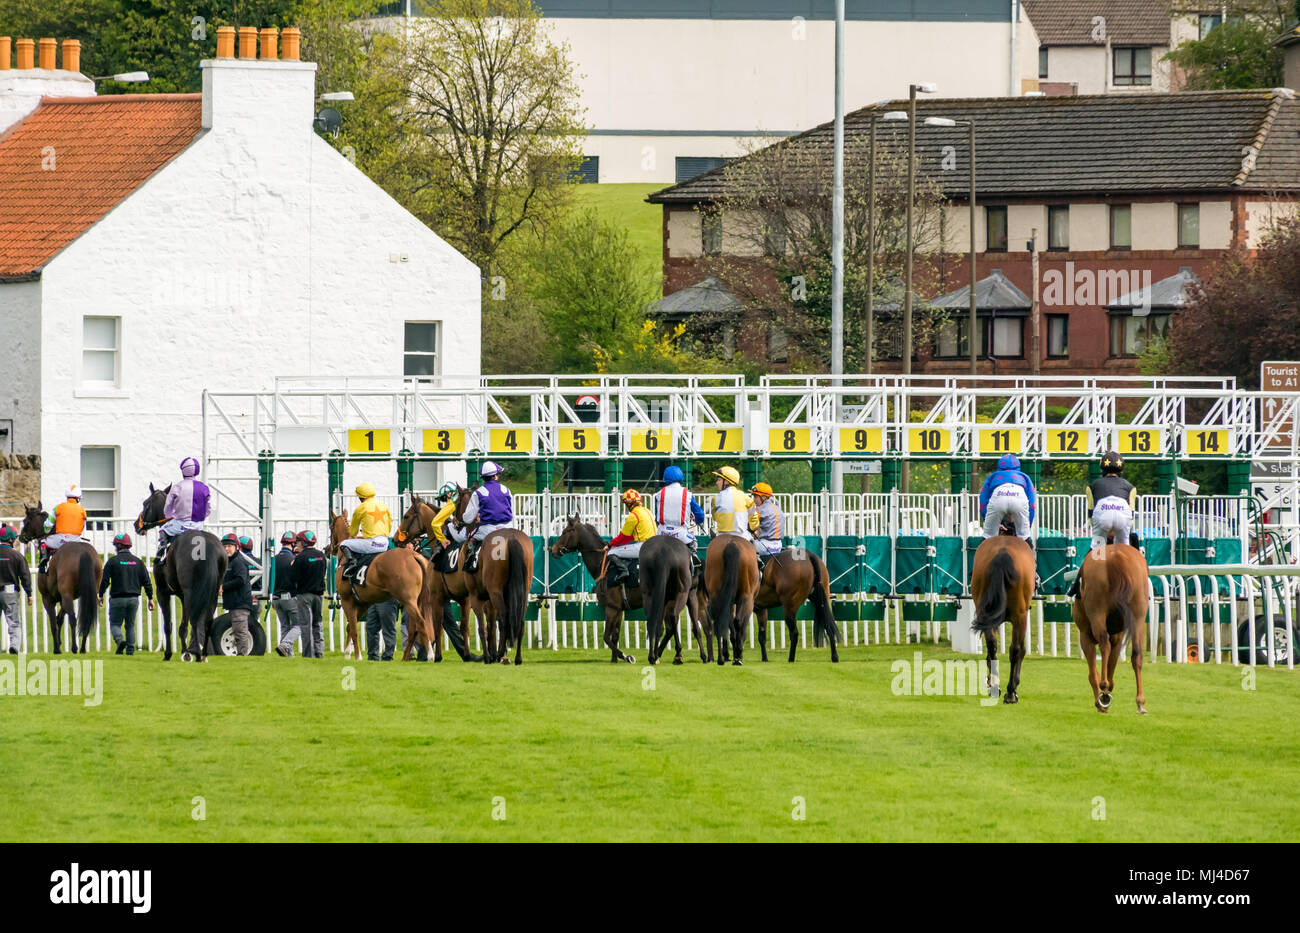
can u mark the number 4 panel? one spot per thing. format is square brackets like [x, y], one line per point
[506, 441]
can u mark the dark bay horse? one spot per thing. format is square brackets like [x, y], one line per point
[666, 581]
[398, 574]
[788, 580]
[1002, 584]
[71, 581]
[731, 580]
[500, 582]
[442, 587]
[1111, 607]
[193, 570]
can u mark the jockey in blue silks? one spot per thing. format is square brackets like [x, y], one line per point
[1008, 495]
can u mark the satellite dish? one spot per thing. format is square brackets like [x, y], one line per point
[328, 121]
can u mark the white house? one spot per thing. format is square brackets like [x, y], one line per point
[154, 246]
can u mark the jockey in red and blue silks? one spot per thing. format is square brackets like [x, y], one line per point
[1008, 494]
[673, 505]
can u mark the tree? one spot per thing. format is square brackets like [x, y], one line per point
[1246, 312]
[1239, 52]
[495, 102]
[778, 207]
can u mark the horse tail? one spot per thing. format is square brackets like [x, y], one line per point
[201, 600]
[87, 593]
[992, 608]
[516, 592]
[1121, 595]
[722, 605]
[655, 597]
[823, 618]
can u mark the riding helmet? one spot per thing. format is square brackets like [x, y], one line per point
[7, 533]
[761, 489]
[631, 497]
[729, 474]
[674, 475]
[307, 537]
[1112, 462]
[288, 537]
[122, 540]
[231, 538]
[1009, 462]
[365, 491]
[490, 469]
[246, 544]
[446, 492]
[189, 468]
[74, 491]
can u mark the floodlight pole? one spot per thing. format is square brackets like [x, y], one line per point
[837, 237]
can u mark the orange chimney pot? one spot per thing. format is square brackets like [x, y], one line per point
[26, 49]
[72, 55]
[248, 42]
[289, 37]
[49, 49]
[225, 42]
[6, 44]
[269, 35]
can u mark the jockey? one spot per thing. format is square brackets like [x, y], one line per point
[371, 525]
[69, 524]
[767, 541]
[186, 506]
[442, 527]
[730, 503]
[626, 545]
[491, 506]
[671, 505]
[1111, 500]
[1008, 494]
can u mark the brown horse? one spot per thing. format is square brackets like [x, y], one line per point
[1002, 584]
[71, 581]
[1111, 607]
[788, 580]
[500, 582]
[192, 571]
[731, 580]
[667, 587]
[394, 574]
[442, 587]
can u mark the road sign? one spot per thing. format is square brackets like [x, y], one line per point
[1277, 376]
[871, 467]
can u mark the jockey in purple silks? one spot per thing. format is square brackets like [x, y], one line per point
[491, 505]
[187, 504]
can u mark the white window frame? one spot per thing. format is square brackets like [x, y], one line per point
[436, 353]
[99, 386]
[117, 477]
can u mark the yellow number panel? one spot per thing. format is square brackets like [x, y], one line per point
[726, 440]
[929, 440]
[997, 441]
[579, 441]
[1067, 441]
[862, 440]
[1139, 441]
[651, 441]
[444, 441]
[369, 441]
[789, 440]
[1207, 442]
[505, 441]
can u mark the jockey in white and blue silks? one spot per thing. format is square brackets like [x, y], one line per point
[673, 505]
[187, 504]
[1008, 494]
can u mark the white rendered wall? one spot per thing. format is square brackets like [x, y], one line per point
[20, 341]
[258, 252]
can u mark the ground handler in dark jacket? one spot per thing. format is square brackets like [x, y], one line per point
[286, 607]
[14, 573]
[237, 595]
[124, 576]
[307, 586]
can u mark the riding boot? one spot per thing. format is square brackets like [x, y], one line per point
[615, 572]
[1073, 591]
[44, 565]
[1134, 541]
[471, 556]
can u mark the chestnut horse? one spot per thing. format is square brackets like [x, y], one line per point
[70, 581]
[1111, 607]
[666, 585]
[1002, 584]
[193, 570]
[500, 582]
[393, 574]
[441, 587]
[731, 580]
[788, 579]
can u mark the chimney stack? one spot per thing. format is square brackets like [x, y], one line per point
[290, 37]
[248, 42]
[22, 88]
[225, 42]
[26, 48]
[72, 55]
[268, 43]
[49, 48]
[264, 97]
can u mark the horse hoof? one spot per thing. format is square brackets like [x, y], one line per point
[1104, 701]
[1142, 710]
[167, 655]
[678, 660]
[185, 656]
[737, 663]
[835, 659]
[1011, 698]
[994, 691]
[631, 660]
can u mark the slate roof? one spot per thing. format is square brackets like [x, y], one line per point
[708, 296]
[104, 148]
[1128, 22]
[1167, 293]
[1095, 145]
[994, 292]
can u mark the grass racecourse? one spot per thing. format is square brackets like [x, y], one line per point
[571, 747]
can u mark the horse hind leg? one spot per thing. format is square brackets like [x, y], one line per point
[1135, 647]
[1104, 643]
[1088, 645]
[761, 621]
[993, 682]
[1019, 630]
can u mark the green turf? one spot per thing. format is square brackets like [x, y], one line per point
[624, 206]
[580, 751]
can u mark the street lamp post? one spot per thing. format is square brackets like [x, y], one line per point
[837, 235]
[912, 89]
